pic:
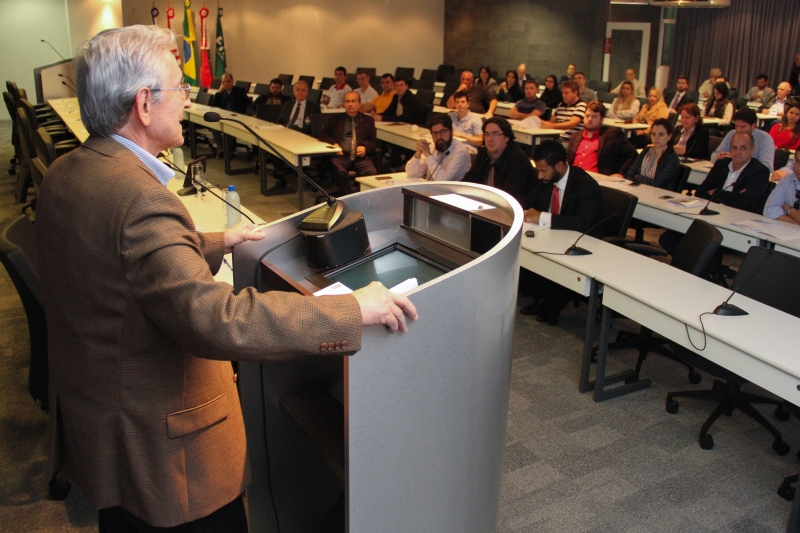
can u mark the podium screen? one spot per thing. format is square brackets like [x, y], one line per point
[391, 267]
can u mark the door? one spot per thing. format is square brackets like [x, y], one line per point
[627, 46]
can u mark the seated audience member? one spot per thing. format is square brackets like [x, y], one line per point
[231, 98]
[571, 70]
[296, 114]
[465, 124]
[786, 134]
[569, 114]
[658, 165]
[565, 197]
[598, 148]
[691, 138]
[336, 92]
[530, 106]
[630, 77]
[626, 105]
[501, 162]
[784, 201]
[760, 93]
[796, 90]
[795, 72]
[404, 106]
[707, 87]
[486, 81]
[782, 98]
[522, 75]
[654, 109]
[744, 121]
[718, 106]
[480, 101]
[510, 90]
[745, 176]
[551, 95]
[584, 93]
[445, 160]
[381, 102]
[353, 133]
[275, 96]
[677, 97]
[365, 91]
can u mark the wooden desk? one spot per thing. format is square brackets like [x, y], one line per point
[69, 112]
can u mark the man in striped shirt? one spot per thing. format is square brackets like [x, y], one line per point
[568, 116]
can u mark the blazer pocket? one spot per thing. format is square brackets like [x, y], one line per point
[186, 422]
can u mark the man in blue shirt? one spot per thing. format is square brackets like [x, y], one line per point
[745, 121]
[784, 201]
[531, 106]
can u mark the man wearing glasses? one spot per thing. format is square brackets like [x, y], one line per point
[445, 160]
[144, 405]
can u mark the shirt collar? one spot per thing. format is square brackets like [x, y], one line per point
[562, 183]
[730, 166]
[161, 170]
[340, 87]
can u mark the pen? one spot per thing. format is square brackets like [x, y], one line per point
[226, 262]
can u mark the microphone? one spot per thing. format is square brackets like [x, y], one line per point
[726, 309]
[68, 86]
[706, 211]
[440, 164]
[67, 77]
[574, 250]
[54, 50]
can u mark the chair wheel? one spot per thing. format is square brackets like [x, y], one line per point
[780, 447]
[706, 441]
[782, 414]
[694, 377]
[59, 488]
[672, 406]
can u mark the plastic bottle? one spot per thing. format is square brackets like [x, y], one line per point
[234, 216]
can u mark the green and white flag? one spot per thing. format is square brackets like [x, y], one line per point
[219, 60]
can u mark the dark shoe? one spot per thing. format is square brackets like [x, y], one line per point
[533, 309]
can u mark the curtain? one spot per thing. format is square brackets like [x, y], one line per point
[748, 38]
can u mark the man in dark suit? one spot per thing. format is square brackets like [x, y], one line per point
[598, 148]
[676, 98]
[353, 133]
[502, 163]
[230, 98]
[404, 107]
[145, 413]
[295, 114]
[566, 197]
[275, 96]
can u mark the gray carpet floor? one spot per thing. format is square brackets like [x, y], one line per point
[571, 465]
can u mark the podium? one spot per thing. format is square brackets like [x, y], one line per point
[409, 433]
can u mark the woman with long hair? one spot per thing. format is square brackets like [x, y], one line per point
[551, 95]
[509, 90]
[786, 134]
[718, 106]
[658, 165]
[654, 109]
[626, 105]
[691, 138]
[486, 80]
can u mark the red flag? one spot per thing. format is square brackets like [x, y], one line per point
[170, 16]
[205, 69]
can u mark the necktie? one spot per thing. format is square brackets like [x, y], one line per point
[555, 207]
[674, 105]
[353, 144]
[294, 115]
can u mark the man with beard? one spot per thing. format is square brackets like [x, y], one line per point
[566, 197]
[598, 148]
[449, 160]
[275, 96]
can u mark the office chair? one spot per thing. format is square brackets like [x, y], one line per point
[451, 86]
[286, 79]
[781, 158]
[269, 113]
[769, 277]
[11, 108]
[48, 150]
[315, 95]
[204, 98]
[424, 85]
[684, 186]
[428, 75]
[425, 97]
[215, 83]
[243, 84]
[621, 203]
[597, 85]
[427, 110]
[406, 73]
[606, 97]
[308, 79]
[351, 80]
[261, 89]
[713, 144]
[288, 90]
[673, 118]
[326, 83]
[452, 78]
[443, 70]
[369, 70]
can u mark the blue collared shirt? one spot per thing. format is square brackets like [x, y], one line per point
[161, 170]
[784, 193]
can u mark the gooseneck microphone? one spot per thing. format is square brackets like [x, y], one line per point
[706, 211]
[440, 164]
[54, 49]
[574, 250]
[70, 87]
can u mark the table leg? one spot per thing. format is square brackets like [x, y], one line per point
[226, 139]
[262, 169]
[601, 380]
[193, 140]
[300, 187]
[588, 339]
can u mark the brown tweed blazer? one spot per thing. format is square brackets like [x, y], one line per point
[145, 410]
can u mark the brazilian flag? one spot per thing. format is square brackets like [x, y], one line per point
[189, 37]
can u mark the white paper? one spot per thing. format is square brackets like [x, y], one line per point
[332, 290]
[462, 202]
[688, 203]
[268, 126]
[405, 286]
[533, 123]
[779, 231]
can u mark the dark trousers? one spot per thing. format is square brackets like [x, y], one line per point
[229, 519]
[338, 167]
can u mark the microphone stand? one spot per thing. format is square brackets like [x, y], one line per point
[708, 212]
[54, 49]
[574, 250]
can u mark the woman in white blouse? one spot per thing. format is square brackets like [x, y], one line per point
[626, 105]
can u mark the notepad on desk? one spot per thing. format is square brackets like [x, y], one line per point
[687, 203]
[774, 229]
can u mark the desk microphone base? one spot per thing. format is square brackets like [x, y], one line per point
[708, 212]
[574, 250]
[727, 309]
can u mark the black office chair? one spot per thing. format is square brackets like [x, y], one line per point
[351, 80]
[597, 85]
[769, 277]
[326, 83]
[11, 108]
[673, 118]
[713, 144]
[781, 158]
[288, 90]
[622, 204]
[243, 84]
[318, 121]
[424, 85]
[452, 78]
[286, 79]
[425, 97]
[47, 150]
[269, 113]
[315, 95]
[407, 73]
[443, 70]
[684, 187]
[606, 97]
[369, 70]
[428, 75]
[261, 89]
[451, 86]
[215, 83]
[739, 103]
[427, 110]
[204, 98]
[642, 100]
[308, 79]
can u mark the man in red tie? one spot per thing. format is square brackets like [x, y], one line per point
[565, 198]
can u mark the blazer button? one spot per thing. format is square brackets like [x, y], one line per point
[235, 377]
[323, 347]
[345, 345]
[338, 346]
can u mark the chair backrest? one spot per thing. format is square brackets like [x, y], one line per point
[740, 103]
[683, 182]
[697, 248]
[12, 112]
[452, 78]
[269, 113]
[428, 75]
[315, 95]
[318, 121]
[369, 70]
[713, 144]
[404, 72]
[38, 170]
[426, 109]
[29, 111]
[25, 136]
[451, 86]
[548, 113]
[288, 89]
[443, 70]
[597, 85]
[694, 96]
[673, 118]
[606, 97]
[375, 83]
[781, 158]
[770, 277]
[642, 100]
[351, 80]
[733, 95]
[308, 79]
[13, 90]
[261, 88]
[243, 84]
[425, 85]
[18, 256]
[44, 147]
[286, 79]
[623, 204]
[215, 83]
[425, 97]
[326, 83]
[203, 98]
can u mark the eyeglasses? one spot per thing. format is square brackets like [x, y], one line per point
[494, 134]
[440, 133]
[185, 87]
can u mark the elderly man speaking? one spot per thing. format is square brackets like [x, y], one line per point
[145, 411]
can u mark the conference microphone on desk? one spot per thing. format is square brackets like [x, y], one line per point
[706, 211]
[54, 49]
[726, 309]
[70, 87]
[332, 234]
[574, 250]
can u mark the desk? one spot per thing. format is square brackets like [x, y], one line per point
[765, 119]
[69, 112]
[503, 108]
[368, 183]
[526, 136]
[699, 171]
[627, 127]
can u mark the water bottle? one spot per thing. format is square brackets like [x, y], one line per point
[234, 216]
[177, 159]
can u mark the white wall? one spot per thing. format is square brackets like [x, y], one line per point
[266, 37]
[87, 18]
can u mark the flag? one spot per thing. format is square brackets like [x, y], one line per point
[170, 16]
[189, 67]
[219, 60]
[205, 69]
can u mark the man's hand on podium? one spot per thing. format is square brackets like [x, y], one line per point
[380, 306]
